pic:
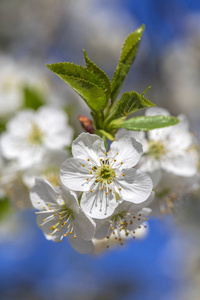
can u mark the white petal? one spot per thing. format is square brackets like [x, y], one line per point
[180, 138]
[129, 152]
[123, 206]
[131, 207]
[160, 134]
[138, 135]
[55, 237]
[156, 176]
[30, 156]
[149, 164]
[137, 207]
[42, 193]
[74, 173]
[89, 146]
[80, 245]
[184, 122]
[21, 124]
[156, 111]
[58, 140]
[84, 226]
[139, 220]
[136, 186]
[183, 165]
[11, 146]
[102, 228]
[97, 204]
[51, 118]
[71, 199]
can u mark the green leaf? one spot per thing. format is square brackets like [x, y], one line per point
[128, 54]
[145, 91]
[129, 103]
[84, 82]
[100, 73]
[32, 98]
[146, 123]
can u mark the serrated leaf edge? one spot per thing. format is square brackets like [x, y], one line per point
[91, 83]
[76, 66]
[107, 91]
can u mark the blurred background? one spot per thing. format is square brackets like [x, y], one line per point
[163, 265]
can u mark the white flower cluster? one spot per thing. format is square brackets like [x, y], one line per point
[101, 194]
[97, 196]
[106, 195]
[33, 145]
[171, 157]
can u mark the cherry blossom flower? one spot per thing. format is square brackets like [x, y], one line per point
[126, 218]
[59, 216]
[112, 241]
[100, 175]
[31, 133]
[171, 149]
[171, 192]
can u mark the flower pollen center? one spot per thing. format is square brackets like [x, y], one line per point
[105, 173]
[156, 149]
[35, 136]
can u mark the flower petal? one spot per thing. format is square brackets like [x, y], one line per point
[89, 146]
[70, 198]
[51, 118]
[46, 227]
[183, 165]
[180, 139]
[80, 245]
[149, 164]
[140, 206]
[41, 194]
[140, 215]
[21, 124]
[11, 146]
[102, 228]
[98, 204]
[58, 140]
[135, 186]
[155, 111]
[129, 152]
[161, 133]
[84, 226]
[74, 173]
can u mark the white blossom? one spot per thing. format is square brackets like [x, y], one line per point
[170, 149]
[100, 245]
[31, 133]
[124, 222]
[59, 216]
[14, 77]
[171, 192]
[101, 175]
